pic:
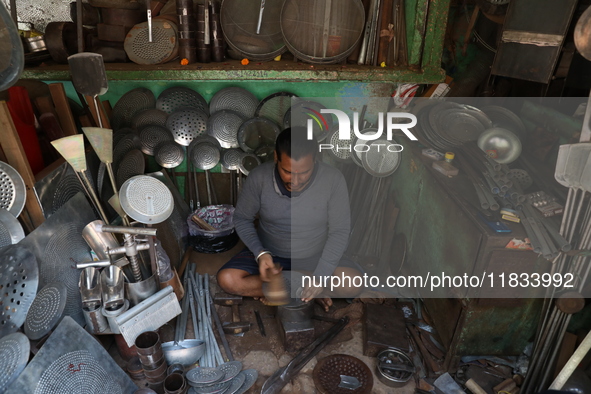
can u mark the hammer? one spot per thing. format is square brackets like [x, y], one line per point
[237, 326]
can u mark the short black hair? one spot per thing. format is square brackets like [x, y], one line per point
[294, 143]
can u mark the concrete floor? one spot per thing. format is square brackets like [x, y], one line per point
[266, 354]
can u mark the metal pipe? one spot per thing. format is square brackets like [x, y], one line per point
[127, 230]
[97, 263]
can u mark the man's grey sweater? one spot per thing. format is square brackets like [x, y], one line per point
[315, 222]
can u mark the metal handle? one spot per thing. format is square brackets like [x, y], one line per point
[97, 263]
[127, 230]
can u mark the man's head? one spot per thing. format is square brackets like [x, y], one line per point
[295, 156]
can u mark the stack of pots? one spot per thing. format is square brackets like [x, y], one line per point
[149, 350]
[187, 31]
[175, 383]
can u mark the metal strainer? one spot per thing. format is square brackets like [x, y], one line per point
[130, 104]
[131, 165]
[205, 156]
[152, 136]
[275, 106]
[248, 163]
[340, 150]
[187, 123]
[235, 99]
[146, 199]
[379, 160]
[46, 310]
[148, 117]
[11, 230]
[257, 132]
[179, 97]
[121, 134]
[12, 190]
[329, 371]
[14, 355]
[169, 154]
[126, 144]
[231, 158]
[163, 48]
[19, 277]
[224, 126]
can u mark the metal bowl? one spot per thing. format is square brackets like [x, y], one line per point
[394, 378]
[500, 144]
[185, 352]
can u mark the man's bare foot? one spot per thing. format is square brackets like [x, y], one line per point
[325, 303]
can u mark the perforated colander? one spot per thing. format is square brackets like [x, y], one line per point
[19, 277]
[46, 310]
[169, 154]
[131, 165]
[152, 136]
[224, 126]
[130, 104]
[236, 99]
[257, 132]
[381, 158]
[146, 199]
[12, 190]
[14, 355]
[178, 97]
[163, 48]
[187, 123]
[148, 117]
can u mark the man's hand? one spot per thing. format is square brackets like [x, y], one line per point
[267, 267]
[309, 293]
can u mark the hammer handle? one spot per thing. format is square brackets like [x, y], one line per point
[235, 313]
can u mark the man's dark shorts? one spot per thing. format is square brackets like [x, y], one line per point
[245, 261]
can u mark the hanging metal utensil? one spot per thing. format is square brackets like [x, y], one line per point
[224, 126]
[178, 97]
[131, 165]
[236, 99]
[187, 123]
[152, 136]
[257, 132]
[11, 230]
[231, 159]
[89, 77]
[130, 104]
[248, 163]
[206, 156]
[169, 155]
[149, 117]
[72, 149]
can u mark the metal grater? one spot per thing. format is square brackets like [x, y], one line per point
[236, 383]
[340, 149]
[205, 156]
[230, 370]
[204, 376]
[14, 355]
[169, 154]
[378, 161]
[46, 310]
[231, 158]
[235, 99]
[177, 97]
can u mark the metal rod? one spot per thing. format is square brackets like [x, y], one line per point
[93, 196]
[149, 14]
[208, 187]
[221, 333]
[260, 17]
[128, 230]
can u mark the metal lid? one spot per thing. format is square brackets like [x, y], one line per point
[11, 230]
[152, 136]
[224, 126]
[205, 156]
[257, 132]
[14, 355]
[169, 154]
[46, 310]
[235, 99]
[146, 199]
[12, 190]
[187, 123]
[178, 97]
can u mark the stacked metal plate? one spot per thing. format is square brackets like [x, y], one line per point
[223, 379]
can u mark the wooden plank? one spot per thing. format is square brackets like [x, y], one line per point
[62, 107]
[15, 155]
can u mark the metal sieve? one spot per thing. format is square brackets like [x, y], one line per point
[257, 132]
[231, 158]
[131, 165]
[224, 126]
[122, 134]
[253, 31]
[378, 160]
[14, 355]
[146, 199]
[178, 97]
[236, 383]
[152, 136]
[148, 117]
[202, 376]
[11, 230]
[250, 377]
[235, 99]
[46, 310]
[72, 361]
[12, 190]
[129, 105]
[302, 111]
[169, 154]
[205, 156]
[187, 123]
[275, 106]
[230, 369]
[163, 47]
[340, 150]
[19, 277]
[248, 163]
[126, 144]
[329, 370]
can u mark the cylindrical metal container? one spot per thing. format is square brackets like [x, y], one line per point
[90, 288]
[112, 288]
[175, 384]
[139, 291]
[95, 320]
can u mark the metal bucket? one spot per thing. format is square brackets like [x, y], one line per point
[175, 384]
[95, 321]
